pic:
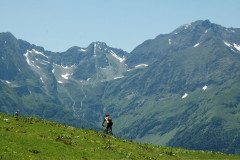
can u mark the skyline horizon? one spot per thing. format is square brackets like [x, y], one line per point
[58, 25]
[114, 46]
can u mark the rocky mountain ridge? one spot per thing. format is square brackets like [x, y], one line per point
[178, 89]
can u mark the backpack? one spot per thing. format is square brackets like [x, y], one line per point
[108, 120]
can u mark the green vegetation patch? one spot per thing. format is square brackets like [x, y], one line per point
[31, 138]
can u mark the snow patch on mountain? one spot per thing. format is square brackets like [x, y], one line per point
[116, 56]
[37, 52]
[66, 67]
[185, 95]
[232, 47]
[60, 82]
[63, 73]
[236, 46]
[141, 65]
[118, 77]
[30, 55]
[82, 50]
[137, 67]
[26, 55]
[41, 79]
[196, 45]
[66, 76]
[8, 82]
[227, 44]
[186, 26]
[204, 87]
[94, 50]
[169, 41]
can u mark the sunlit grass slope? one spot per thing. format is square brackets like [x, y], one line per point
[31, 138]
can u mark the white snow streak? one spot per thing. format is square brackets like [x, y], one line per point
[141, 65]
[169, 41]
[27, 59]
[60, 82]
[196, 45]
[236, 46]
[26, 55]
[67, 67]
[184, 96]
[41, 79]
[116, 56]
[7, 82]
[94, 50]
[37, 52]
[118, 77]
[82, 50]
[227, 44]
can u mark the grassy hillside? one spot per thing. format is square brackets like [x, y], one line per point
[31, 138]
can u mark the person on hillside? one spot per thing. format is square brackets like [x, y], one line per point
[16, 114]
[108, 120]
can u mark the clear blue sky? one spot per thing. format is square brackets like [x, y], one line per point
[60, 24]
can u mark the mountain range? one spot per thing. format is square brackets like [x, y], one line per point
[179, 89]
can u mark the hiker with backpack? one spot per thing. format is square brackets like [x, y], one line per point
[109, 123]
[16, 114]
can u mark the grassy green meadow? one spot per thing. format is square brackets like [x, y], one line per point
[32, 138]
